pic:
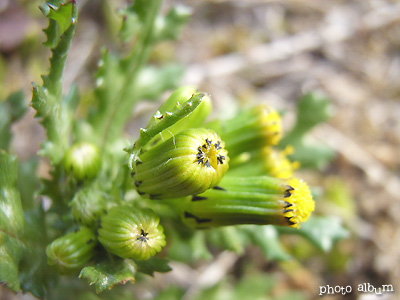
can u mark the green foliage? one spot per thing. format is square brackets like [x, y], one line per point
[164, 121]
[56, 112]
[312, 109]
[12, 223]
[18, 236]
[154, 264]
[104, 276]
[10, 111]
[323, 232]
[38, 213]
[267, 238]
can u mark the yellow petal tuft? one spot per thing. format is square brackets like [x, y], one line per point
[300, 203]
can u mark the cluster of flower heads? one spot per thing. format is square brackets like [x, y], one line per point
[225, 172]
[219, 173]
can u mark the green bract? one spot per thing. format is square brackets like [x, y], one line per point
[131, 232]
[71, 251]
[189, 163]
[250, 200]
[249, 130]
[195, 119]
[88, 205]
[82, 161]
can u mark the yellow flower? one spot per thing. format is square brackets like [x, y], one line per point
[249, 200]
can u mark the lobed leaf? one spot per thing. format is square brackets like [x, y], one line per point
[267, 238]
[11, 110]
[170, 26]
[323, 232]
[11, 223]
[105, 275]
[312, 109]
[21, 236]
[47, 98]
[153, 264]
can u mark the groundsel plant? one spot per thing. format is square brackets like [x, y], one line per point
[110, 209]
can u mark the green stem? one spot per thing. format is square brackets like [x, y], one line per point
[123, 100]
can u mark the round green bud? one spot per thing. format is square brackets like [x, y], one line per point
[71, 251]
[188, 163]
[265, 161]
[130, 232]
[88, 205]
[82, 161]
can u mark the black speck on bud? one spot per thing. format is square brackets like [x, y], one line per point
[188, 163]
[130, 232]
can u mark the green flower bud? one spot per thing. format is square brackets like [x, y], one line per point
[266, 161]
[82, 161]
[130, 232]
[250, 130]
[189, 163]
[71, 251]
[88, 205]
[250, 200]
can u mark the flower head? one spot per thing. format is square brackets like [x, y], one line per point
[298, 202]
[250, 200]
[72, 251]
[189, 163]
[250, 130]
[82, 161]
[130, 232]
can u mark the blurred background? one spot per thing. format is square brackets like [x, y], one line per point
[251, 51]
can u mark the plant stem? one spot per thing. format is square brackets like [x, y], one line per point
[124, 100]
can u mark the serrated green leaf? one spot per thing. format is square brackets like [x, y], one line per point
[312, 109]
[47, 99]
[323, 232]
[140, 7]
[109, 82]
[61, 16]
[39, 100]
[267, 238]
[152, 81]
[12, 222]
[198, 246]
[109, 123]
[164, 121]
[154, 264]
[227, 238]
[169, 26]
[130, 25]
[21, 236]
[28, 182]
[107, 274]
[10, 111]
